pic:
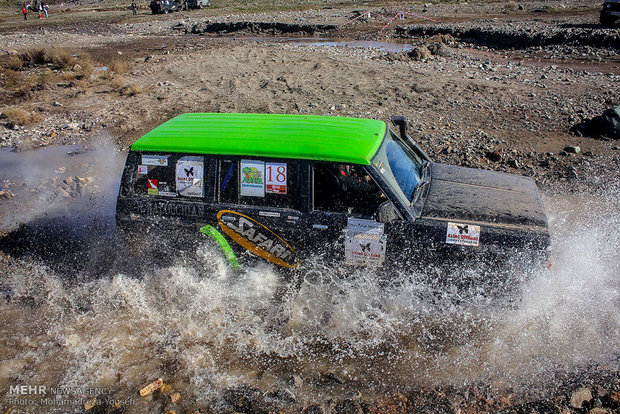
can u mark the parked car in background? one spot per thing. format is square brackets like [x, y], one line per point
[611, 12]
[198, 4]
[164, 6]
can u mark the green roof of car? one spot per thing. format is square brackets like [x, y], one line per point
[325, 138]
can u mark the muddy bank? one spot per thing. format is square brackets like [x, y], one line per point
[271, 28]
[519, 36]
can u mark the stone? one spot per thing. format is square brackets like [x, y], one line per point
[572, 149]
[419, 53]
[599, 410]
[494, 156]
[580, 396]
[606, 125]
[348, 407]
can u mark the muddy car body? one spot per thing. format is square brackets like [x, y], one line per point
[285, 187]
[610, 12]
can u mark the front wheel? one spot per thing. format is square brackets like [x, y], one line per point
[607, 20]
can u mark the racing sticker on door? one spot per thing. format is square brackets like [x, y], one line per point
[190, 176]
[464, 234]
[275, 173]
[257, 238]
[365, 243]
[252, 178]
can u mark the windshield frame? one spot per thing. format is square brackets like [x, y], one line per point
[380, 164]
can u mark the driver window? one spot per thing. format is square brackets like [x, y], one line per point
[342, 188]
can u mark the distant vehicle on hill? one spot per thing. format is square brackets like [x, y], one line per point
[164, 6]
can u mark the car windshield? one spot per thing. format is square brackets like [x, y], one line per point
[398, 165]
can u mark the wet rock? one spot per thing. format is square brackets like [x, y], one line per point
[513, 163]
[580, 396]
[296, 381]
[605, 126]
[11, 367]
[599, 410]
[348, 407]
[392, 405]
[572, 149]
[572, 173]
[249, 399]
[494, 156]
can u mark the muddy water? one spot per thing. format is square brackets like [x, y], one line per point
[77, 311]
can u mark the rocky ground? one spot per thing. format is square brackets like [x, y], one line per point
[494, 85]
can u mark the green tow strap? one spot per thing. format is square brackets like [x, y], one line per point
[221, 241]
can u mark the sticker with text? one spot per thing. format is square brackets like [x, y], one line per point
[463, 234]
[276, 176]
[160, 160]
[252, 178]
[190, 176]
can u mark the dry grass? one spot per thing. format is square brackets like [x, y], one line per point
[118, 66]
[45, 78]
[131, 89]
[55, 57]
[14, 63]
[21, 116]
[11, 78]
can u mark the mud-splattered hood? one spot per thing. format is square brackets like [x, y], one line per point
[467, 194]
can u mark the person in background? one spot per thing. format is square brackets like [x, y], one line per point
[134, 8]
[45, 9]
[25, 11]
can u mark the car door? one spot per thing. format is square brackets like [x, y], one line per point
[340, 223]
[258, 205]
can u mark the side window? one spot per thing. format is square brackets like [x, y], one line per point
[340, 188]
[269, 183]
[170, 175]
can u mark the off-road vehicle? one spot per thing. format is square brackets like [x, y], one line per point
[164, 6]
[286, 187]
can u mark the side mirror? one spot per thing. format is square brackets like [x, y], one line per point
[401, 122]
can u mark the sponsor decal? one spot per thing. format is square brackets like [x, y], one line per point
[268, 214]
[365, 242]
[257, 238]
[463, 234]
[190, 176]
[160, 160]
[170, 208]
[276, 176]
[143, 169]
[252, 178]
[293, 217]
[152, 186]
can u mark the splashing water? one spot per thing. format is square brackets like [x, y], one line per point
[207, 329]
